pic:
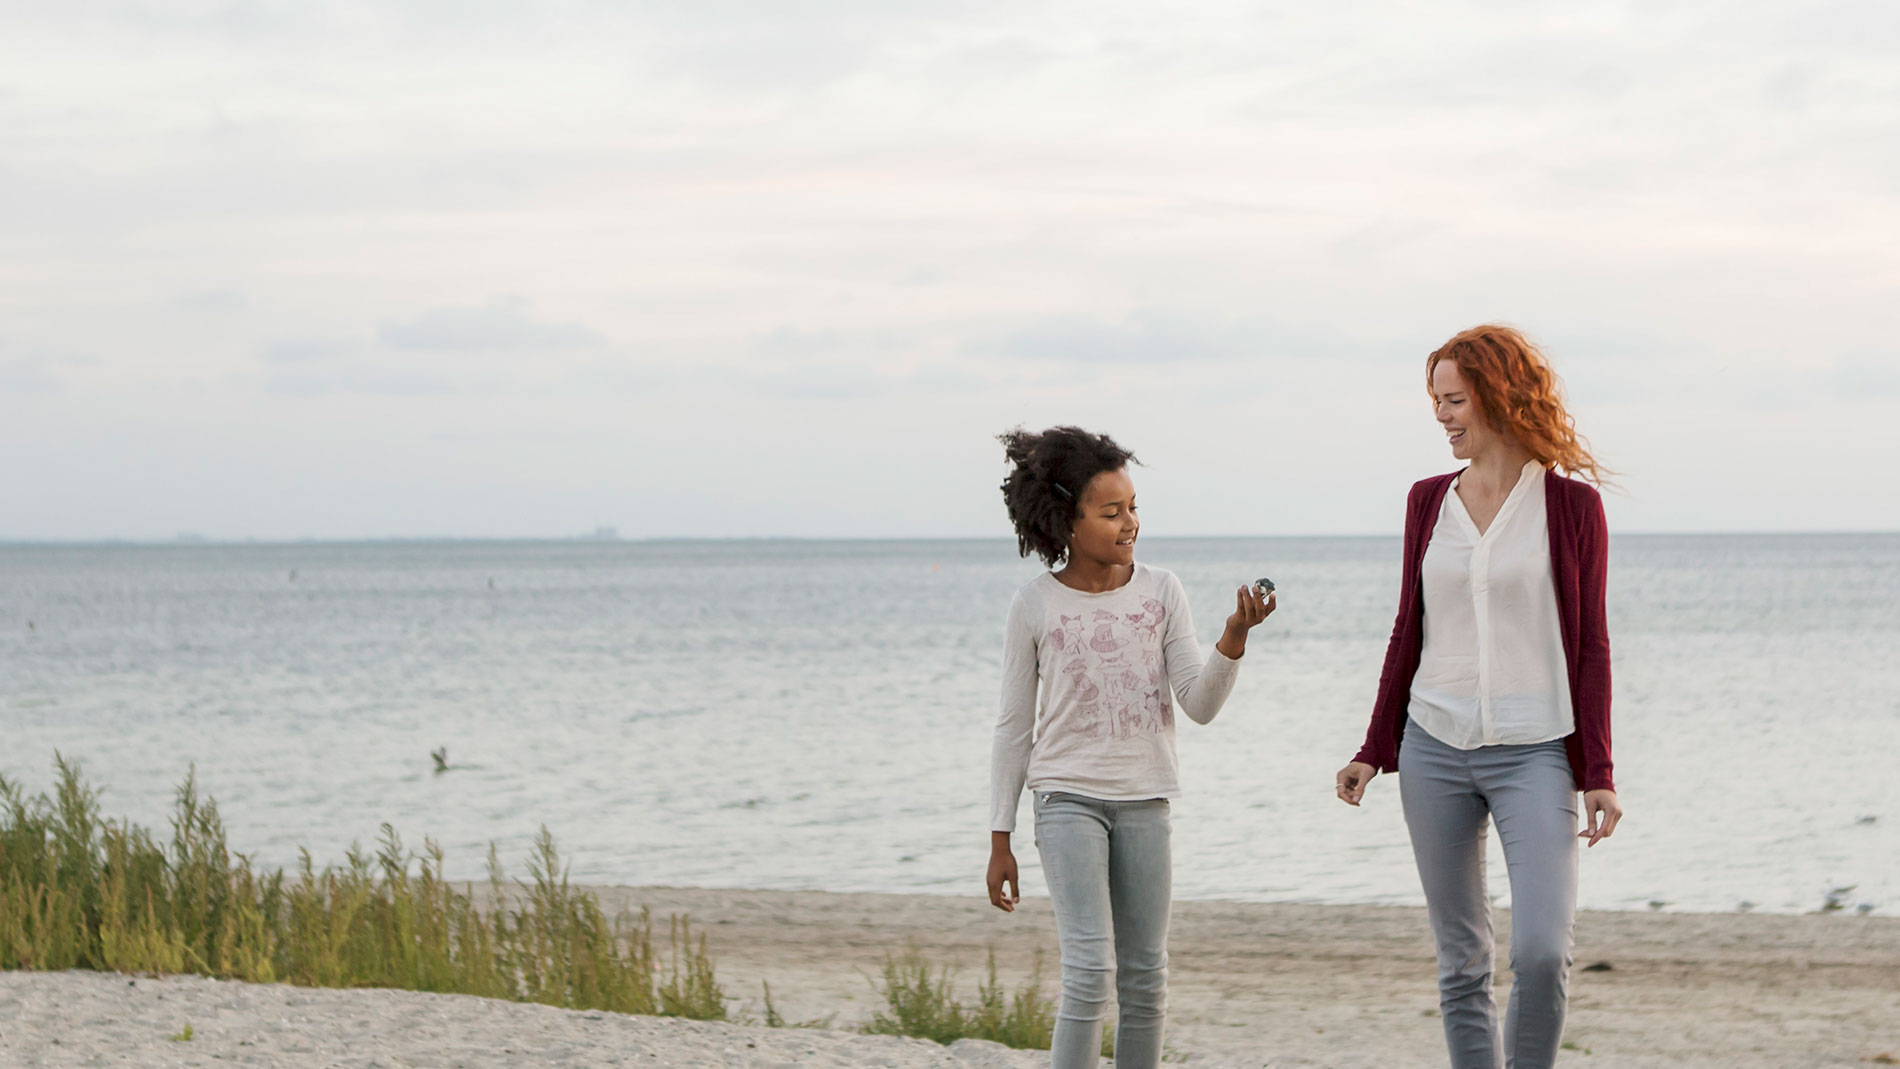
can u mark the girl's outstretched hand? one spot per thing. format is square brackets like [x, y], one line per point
[1350, 783]
[1005, 891]
[1250, 608]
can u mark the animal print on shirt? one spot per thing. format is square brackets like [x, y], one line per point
[1114, 666]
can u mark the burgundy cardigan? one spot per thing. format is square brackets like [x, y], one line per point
[1579, 563]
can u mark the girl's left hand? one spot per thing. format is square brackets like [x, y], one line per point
[1250, 608]
[1600, 814]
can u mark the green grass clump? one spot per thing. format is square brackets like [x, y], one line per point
[921, 1002]
[78, 892]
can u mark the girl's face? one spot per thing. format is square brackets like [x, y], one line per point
[1106, 524]
[1457, 412]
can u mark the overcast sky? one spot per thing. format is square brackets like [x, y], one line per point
[466, 268]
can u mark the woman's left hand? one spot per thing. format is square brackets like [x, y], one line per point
[1600, 814]
[1250, 609]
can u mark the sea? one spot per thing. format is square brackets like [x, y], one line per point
[818, 714]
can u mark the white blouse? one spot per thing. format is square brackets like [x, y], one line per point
[1492, 669]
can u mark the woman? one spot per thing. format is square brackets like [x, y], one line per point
[1103, 641]
[1495, 697]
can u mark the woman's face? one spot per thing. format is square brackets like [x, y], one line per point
[1106, 524]
[1457, 412]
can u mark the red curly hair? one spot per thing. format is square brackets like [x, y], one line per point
[1518, 393]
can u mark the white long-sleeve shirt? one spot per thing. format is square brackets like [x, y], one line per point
[1103, 666]
[1491, 670]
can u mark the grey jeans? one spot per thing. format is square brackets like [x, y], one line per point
[1531, 795]
[1111, 880]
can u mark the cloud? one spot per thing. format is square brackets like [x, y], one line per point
[500, 325]
[842, 382]
[832, 363]
[830, 382]
[1860, 377]
[823, 364]
[332, 366]
[26, 374]
[35, 368]
[326, 367]
[948, 378]
[1161, 338]
[359, 378]
[213, 301]
[306, 350]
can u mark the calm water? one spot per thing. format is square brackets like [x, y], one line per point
[817, 715]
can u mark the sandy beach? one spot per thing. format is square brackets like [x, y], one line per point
[1253, 985]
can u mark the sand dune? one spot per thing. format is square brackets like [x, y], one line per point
[1253, 985]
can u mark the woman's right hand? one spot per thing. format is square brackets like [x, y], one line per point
[1350, 783]
[1003, 874]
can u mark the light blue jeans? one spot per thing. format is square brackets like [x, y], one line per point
[1530, 794]
[1111, 879]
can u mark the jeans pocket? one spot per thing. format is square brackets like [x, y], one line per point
[1047, 806]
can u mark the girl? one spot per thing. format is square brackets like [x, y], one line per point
[1104, 641]
[1495, 698]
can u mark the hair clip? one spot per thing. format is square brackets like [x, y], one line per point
[1063, 490]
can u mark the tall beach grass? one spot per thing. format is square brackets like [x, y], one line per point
[921, 1001]
[81, 892]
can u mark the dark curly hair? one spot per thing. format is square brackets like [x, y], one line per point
[1048, 472]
